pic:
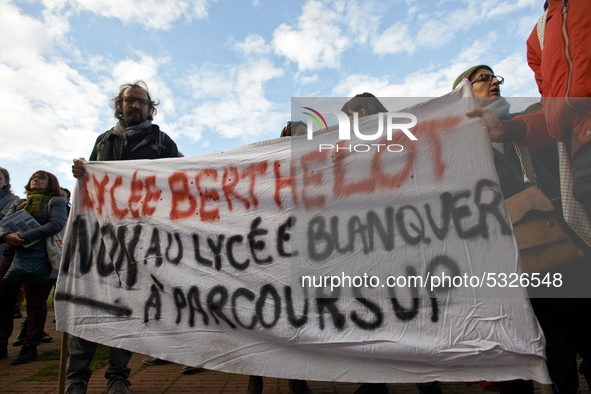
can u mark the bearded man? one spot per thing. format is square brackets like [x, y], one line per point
[133, 137]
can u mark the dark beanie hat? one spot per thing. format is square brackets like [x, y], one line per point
[466, 74]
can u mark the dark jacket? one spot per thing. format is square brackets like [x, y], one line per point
[509, 171]
[153, 145]
[53, 219]
[508, 167]
[5, 203]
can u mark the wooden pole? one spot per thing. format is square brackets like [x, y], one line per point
[61, 386]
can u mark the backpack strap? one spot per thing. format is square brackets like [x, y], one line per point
[541, 27]
[159, 145]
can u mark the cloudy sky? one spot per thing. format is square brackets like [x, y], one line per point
[225, 71]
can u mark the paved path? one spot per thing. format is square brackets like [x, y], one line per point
[168, 378]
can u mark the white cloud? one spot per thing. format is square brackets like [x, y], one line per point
[252, 45]
[211, 84]
[434, 33]
[152, 14]
[362, 18]
[518, 76]
[22, 38]
[317, 41]
[43, 99]
[419, 84]
[50, 104]
[492, 9]
[146, 68]
[358, 83]
[395, 39]
[525, 25]
[232, 103]
[462, 18]
[475, 12]
[308, 79]
[437, 80]
[56, 23]
[325, 29]
[473, 54]
[427, 25]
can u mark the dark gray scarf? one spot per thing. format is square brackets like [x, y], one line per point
[129, 132]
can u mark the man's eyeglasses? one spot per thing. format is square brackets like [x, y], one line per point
[488, 78]
[132, 100]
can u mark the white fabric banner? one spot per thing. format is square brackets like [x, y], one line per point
[217, 260]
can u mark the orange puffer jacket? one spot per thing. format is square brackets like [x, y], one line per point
[562, 69]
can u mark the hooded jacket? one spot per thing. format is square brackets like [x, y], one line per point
[562, 70]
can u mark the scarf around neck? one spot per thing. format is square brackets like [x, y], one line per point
[131, 131]
[500, 108]
[35, 201]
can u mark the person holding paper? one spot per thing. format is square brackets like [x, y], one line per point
[29, 265]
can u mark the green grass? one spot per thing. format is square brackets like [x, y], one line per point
[50, 300]
[51, 372]
[47, 374]
[50, 355]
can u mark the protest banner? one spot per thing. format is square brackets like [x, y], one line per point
[293, 259]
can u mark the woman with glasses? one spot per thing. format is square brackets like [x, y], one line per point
[513, 166]
[508, 164]
[30, 265]
[565, 321]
